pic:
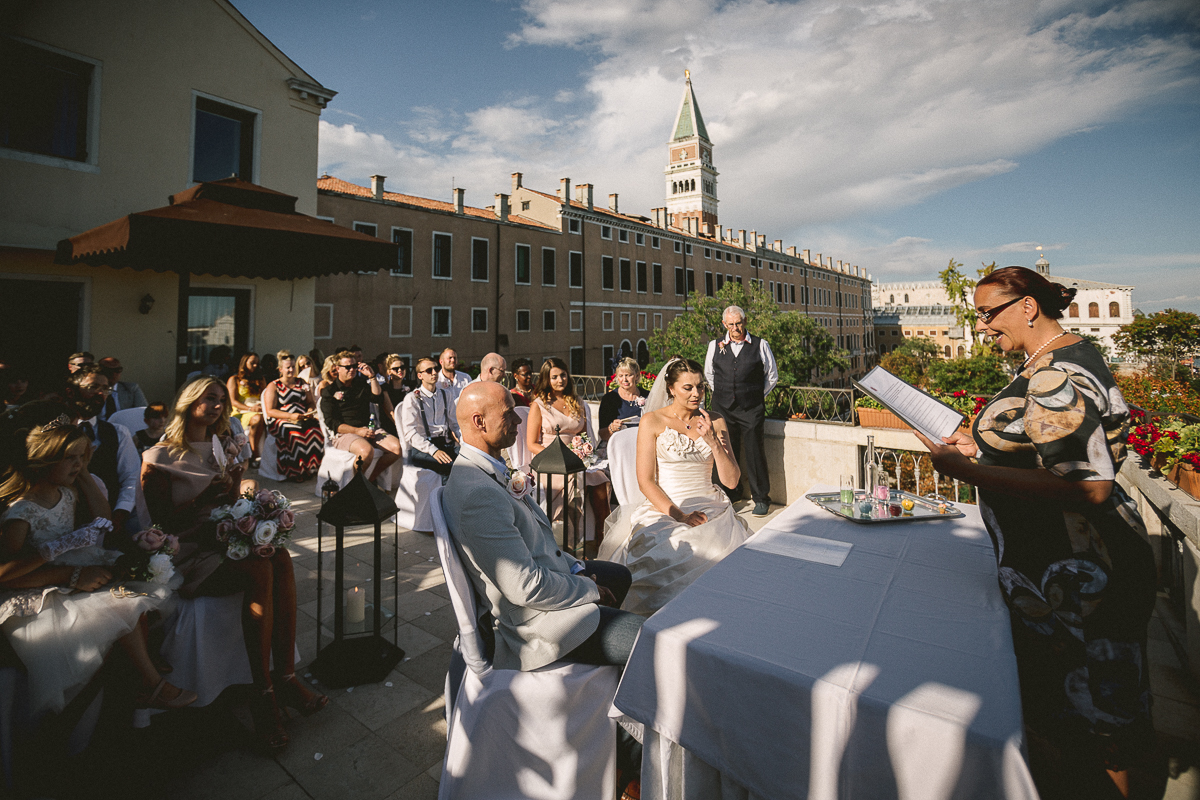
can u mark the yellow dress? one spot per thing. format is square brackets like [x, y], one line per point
[245, 396]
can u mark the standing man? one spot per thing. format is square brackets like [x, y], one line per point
[125, 394]
[450, 378]
[492, 369]
[741, 371]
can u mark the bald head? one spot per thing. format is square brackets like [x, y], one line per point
[493, 367]
[486, 417]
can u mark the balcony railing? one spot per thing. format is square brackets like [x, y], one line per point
[912, 471]
[813, 403]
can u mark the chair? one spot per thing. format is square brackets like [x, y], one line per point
[339, 464]
[132, 418]
[519, 455]
[415, 487]
[268, 467]
[622, 466]
[513, 734]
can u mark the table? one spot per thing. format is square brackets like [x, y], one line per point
[892, 675]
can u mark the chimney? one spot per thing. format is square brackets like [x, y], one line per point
[830, 265]
[502, 203]
[564, 192]
[516, 181]
[458, 200]
[377, 186]
[742, 237]
[708, 229]
[612, 203]
[691, 225]
[753, 238]
[720, 234]
[791, 251]
[778, 246]
[583, 194]
[819, 262]
[804, 254]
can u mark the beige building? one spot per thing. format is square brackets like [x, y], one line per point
[106, 128]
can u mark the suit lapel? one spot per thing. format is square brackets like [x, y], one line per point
[489, 469]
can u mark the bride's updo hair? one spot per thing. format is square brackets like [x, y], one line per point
[678, 367]
[1052, 298]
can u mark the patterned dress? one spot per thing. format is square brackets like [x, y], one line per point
[1079, 579]
[300, 444]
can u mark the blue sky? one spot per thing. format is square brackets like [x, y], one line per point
[894, 135]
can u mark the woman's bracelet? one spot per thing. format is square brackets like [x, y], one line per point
[75, 573]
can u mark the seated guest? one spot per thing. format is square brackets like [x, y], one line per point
[183, 484]
[304, 367]
[622, 405]
[155, 417]
[219, 359]
[77, 360]
[395, 388]
[60, 626]
[125, 394]
[291, 413]
[451, 377]
[269, 368]
[245, 393]
[492, 368]
[522, 373]
[346, 408]
[428, 423]
[14, 384]
[328, 373]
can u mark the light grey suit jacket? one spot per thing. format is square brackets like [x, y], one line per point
[542, 611]
[129, 395]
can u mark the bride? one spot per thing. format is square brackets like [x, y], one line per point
[686, 524]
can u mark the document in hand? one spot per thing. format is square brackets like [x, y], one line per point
[927, 414]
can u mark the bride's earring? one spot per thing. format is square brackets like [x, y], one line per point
[1029, 322]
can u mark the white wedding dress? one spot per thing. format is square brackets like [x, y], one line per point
[665, 556]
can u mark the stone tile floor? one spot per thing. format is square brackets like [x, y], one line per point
[386, 740]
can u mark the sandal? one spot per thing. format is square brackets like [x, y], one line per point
[154, 699]
[295, 694]
[268, 723]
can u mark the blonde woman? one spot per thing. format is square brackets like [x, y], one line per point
[291, 414]
[622, 405]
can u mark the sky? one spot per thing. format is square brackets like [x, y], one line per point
[895, 135]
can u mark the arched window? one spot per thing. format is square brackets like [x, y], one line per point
[906, 298]
[1073, 310]
[947, 351]
[891, 299]
[643, 353]
[962, 351]
[674, 187]
[1114, 309]
[1093, 309]
[626, 349]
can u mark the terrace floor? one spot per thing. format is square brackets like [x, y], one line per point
[386, 740]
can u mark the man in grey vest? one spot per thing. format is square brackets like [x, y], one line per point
[741, 371]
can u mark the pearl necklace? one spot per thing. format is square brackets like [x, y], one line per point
[1040, 349]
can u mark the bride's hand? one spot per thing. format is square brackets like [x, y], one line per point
[694, 519]
[704, 425]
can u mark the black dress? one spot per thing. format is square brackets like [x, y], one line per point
[1079, 579]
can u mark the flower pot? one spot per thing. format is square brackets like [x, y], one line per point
[1158, 461]
[1186, 478]
[879, 418]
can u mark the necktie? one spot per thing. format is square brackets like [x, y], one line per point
[110, 406]
[89, 431]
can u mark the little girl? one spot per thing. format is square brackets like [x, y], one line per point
[59, 620]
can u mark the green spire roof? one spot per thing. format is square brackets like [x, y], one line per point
[689, 122]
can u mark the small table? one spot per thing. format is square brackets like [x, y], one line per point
[892, 675]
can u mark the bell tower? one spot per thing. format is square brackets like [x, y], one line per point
[691, 180]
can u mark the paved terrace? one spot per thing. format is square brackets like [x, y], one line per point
[386, 740]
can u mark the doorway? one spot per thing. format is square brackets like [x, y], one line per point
[40, 327]
[218, 329]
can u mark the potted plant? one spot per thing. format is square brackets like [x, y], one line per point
[1183, 463]
[872, 414]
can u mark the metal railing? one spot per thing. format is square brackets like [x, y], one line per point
[813, 403]
[912, 471]
[591, 387]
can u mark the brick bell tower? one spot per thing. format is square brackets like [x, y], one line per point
[691, 180]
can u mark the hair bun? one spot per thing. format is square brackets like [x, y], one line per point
[1067, 293]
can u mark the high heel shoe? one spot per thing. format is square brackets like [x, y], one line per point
[295, 694]
[154, 699]
[268, 723]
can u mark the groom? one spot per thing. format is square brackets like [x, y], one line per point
[546, 605]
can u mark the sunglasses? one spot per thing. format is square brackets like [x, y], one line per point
[423, 371]
[990, 314]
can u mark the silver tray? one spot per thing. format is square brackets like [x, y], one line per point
[924, 508]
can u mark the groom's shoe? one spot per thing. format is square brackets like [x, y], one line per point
[761, 508]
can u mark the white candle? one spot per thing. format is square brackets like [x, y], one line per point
[356, 605]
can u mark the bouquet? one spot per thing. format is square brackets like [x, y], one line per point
[151, 562]
[582, 446]
[258, 523]
[227, 452]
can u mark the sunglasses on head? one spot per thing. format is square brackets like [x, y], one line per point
[990, 314]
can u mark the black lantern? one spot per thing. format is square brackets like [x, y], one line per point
[558, 459]
[358, 652]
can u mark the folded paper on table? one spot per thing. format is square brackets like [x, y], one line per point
[927, 414]
[797, 545]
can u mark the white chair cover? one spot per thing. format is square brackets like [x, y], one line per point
[622, 466]
[339, 464]
[132, 418]
[519, 455]
[269, 466]
[544, 734]
[415, 487]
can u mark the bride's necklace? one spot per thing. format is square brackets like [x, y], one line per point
[684, 421]
[1040, 349]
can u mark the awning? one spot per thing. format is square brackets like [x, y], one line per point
[233, 228]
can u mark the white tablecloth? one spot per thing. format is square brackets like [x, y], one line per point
[891, 675]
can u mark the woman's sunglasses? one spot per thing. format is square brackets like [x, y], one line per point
[990, 314]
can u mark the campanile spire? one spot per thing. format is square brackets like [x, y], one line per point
[691, 180]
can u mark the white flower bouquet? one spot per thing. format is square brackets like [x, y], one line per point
[257, 524]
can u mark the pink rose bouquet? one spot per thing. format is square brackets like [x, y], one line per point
[582, 446]
[152, 561]
[259, 523]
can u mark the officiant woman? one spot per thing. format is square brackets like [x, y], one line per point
[1075, 567]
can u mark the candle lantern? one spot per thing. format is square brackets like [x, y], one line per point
[558, 459]
[358, 652]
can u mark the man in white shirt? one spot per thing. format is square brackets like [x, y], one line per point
[428, 423]
[450, 377]
[742, 371]
[492, 369]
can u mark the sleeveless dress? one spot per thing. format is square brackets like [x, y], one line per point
[300, 444]
[663, 555]
[61, 635]
[568, 428]
[245, 394]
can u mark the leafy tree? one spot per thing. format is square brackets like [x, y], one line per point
[982, 373]
[803, 349]
[1163, 340]
[961, 289]
[1096, 342]
[910, 361]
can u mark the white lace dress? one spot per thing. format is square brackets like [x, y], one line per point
[63, 636]
[665, 556]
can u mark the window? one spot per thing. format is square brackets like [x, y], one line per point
[739, 280]
[607, 355]
[524, 205]
[441, 321]
[729, 257]
[708, 284]
[575, 268]
[642, 278]
[49, 106]
[574, 226]
[687, 249]
[691, 281]
[606, 321]
[479, 259]
[753, 262]
[906, 298]
[577, 361]
[626, 275]
[479, 320]
[1114, 309]
[548, 320]
[607, 279]
[639, 239]
[708, 252]
[771, 289]
[658, 321]
[367, 228]
[738, 260]
[1073, 310]
[623, 236]
[223, 140]
[654, 242]
[641, 321]
[679, 247]
[720, 281]
[548, 270]
[576, 320]
[522, 320]
[680, 282]
[793, 294]
[657, 274]
[323, 320]
[1093, 309]
[522, 266]
[605, 232]
[404, 238]
[441, 256]
[625, 315]
[399, 322]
